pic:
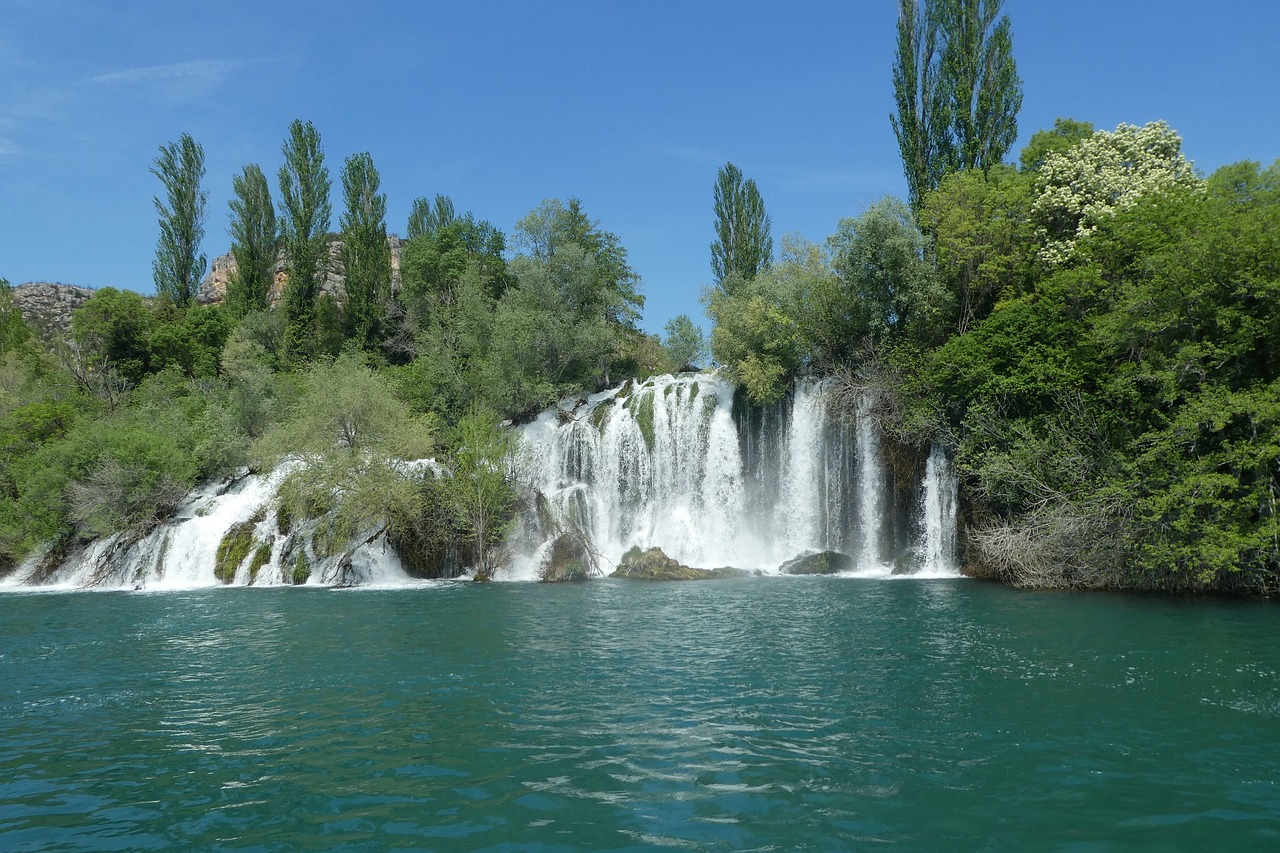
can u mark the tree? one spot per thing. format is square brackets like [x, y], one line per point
[1064, 134]
[744, 245]
[426, 218]
[983, 243]
[1079, 187]
[879, 257]
[481, 485]
[684, 343]
[304, 215]
[178, 266]
[956, 87]
[255, 242]
[366, 255]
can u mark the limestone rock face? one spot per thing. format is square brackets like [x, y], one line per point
[820, 563]
[47, 306]
[213, 290]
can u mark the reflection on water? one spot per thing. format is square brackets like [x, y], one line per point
[772, 714]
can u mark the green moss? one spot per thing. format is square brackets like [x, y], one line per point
[261, 557]
[301, 570]
[600, 415]
[666, 392]
[232, 550]
[693, 391]
[644, 418]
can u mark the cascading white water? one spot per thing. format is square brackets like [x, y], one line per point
[182, 552]
[670, 463]
[938, 516]
[870, 484]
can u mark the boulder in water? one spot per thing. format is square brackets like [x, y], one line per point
[569, 560]
[817, 563]
[654, 565]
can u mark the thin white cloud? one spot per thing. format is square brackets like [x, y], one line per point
[202, 68]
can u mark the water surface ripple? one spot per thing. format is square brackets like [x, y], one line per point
[766, 714]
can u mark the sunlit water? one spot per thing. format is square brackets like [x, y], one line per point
[763, 714]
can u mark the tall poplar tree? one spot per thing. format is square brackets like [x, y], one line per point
[254, 242]
[304, 221]
[744, 244]
[366, 255]
[956, 87]
[179, 266]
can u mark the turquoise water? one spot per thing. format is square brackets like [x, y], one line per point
[764, 714]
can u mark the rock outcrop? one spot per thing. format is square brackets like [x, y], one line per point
[47, 306]
[819, 563]
[213, 290]
[654, 565]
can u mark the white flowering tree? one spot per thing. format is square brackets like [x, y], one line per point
[1103, 174]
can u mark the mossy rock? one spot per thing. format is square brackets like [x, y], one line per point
[301, 570]
[233, 549]
[261, 557]
[600, 414]
[644, 418]
[569, 561]
[654, 565]
[819, 563]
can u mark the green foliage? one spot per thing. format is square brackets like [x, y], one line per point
[889, 288]
[744, 245]
[366, 255]
[179, 266]
[351, 436]
[1062, 137]
[956, 88]
[304, 222]
[982, 241]
[425, 217]
[255, 243]
[480, 488]
[684, 343]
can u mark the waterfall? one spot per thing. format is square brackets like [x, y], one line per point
[675, 463]
[684, 463]
[182, 552]
[938, 514]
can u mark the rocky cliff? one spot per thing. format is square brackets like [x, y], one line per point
[47, 306]
[213, 290]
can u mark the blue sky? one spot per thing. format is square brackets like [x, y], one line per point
[630, 106]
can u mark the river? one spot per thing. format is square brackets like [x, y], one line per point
[769, 713]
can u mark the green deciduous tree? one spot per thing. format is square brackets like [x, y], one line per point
[684, 343]
[179, 266]
[956, 87]
[480, 486]
[255, 242]
[1090, 181]
[366, 255]
[304, 221]
[892, 289]
[426, 217]
[744, 245]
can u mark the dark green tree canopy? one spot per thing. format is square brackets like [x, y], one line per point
[179, 266]
[744, 244]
